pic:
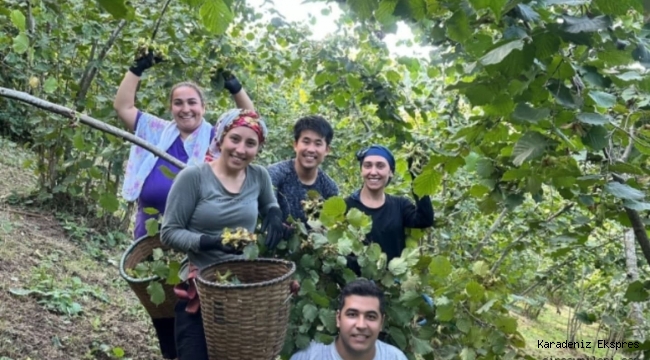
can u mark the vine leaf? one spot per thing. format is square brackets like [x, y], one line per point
[18, 19]
[567, 2]
[310, 312]
[109, 202]
[427, 183]
[603, 99]
[527, 13]
[420, 346]
[497, 55]
[117, 8]
[636, 292]
[216, 16]
[152, 227]
[21, 43]
[596, 138]
[593, 118]
[155, 290]
[334, 207]
[384, 13]
[624, 191]
[525, 112]
[530, 146]
[585, 24]
[636, 205]
[458, 27]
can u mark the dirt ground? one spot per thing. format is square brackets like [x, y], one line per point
[36, 254]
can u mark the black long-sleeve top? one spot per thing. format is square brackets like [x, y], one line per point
[390, 220]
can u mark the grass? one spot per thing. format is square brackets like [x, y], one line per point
[551, 326]
[58, 300]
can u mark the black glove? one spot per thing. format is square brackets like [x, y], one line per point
[230, 82]
[144, 62]
[409, 161]
[288, 231]
[273, 227]
[208, 242]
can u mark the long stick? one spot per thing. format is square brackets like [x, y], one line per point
[94, 123]
[162, 13]
[487, 236]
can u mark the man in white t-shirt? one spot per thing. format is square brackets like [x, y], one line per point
[360, 318]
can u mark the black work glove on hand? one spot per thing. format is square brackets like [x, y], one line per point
[409, 161]
[230, 82]
[208, 242]
[144, 62]
[413, 176]
[288, 231]
[273, 227]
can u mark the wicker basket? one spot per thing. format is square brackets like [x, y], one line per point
[247, 321]
[141, 249]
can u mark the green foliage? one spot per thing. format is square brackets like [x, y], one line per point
[533, 116]
[164, 266]
[58, 296]
[637, 292]
[466, 302]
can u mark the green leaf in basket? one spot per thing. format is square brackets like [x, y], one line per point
[155, 290]
[141, 271]
[152, 226]
[251, 251]
[173, 277]
[160, 269]
[158, 253]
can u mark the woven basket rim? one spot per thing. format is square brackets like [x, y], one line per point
[128, 252]
[290, 264]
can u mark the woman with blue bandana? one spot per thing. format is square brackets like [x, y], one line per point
[390, 214]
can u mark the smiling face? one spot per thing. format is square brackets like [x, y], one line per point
[375, 172]
[239, 147]
[359, 321]
[187, 108]
[310, 149]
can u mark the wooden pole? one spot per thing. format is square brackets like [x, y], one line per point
[94, 123]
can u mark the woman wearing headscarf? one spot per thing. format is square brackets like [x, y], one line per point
[225, 192]
[390, 214]
[186, 137]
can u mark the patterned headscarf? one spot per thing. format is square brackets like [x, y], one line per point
[232, 119]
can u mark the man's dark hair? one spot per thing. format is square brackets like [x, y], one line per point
[315, 123]
[362, 287]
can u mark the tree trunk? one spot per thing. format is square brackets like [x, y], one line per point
[636, 308]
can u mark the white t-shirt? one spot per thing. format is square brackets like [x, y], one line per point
[318, 351]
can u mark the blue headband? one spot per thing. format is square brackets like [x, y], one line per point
[379, 151]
